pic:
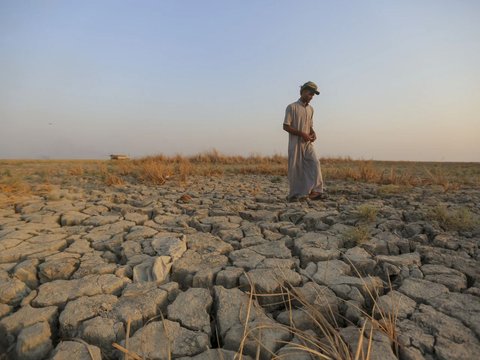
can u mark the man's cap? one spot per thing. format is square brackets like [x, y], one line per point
[311, 86]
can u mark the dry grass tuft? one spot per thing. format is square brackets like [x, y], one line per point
[439, 176]
[15, 187]
[383, 320]
[184, 169]
[461, 219]
[326, 340]
[17, 176]
[113, 180]
[154, 172]
[390, 189]
[367, 213]
[76, 171]
[357, 235]
[450, 176]
[13, 190]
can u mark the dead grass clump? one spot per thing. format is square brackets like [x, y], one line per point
[12, 193]
[184, 168]
[378, 318]
[276, 179]
[399, 176]
[438, 176]
[384, 320]
[76, 171]
[42, 189]
[210, 157]
[18, 184]
[209, 170]
[450, 176]
[154, 172]
[372, 172]
[357, 235]
[390, 189]
[368, 172]
[15, 187]
[113, 180]
[44, 175]
[325, 340]
[364, 171]
[367, 213]
[461, 219]
[125, 167]
[108, 175]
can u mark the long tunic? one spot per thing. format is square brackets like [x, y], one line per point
[304, 173]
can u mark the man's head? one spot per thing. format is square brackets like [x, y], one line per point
[307, 91]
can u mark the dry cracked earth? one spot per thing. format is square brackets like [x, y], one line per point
[179, 261]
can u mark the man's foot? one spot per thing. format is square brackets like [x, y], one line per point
[317, 196]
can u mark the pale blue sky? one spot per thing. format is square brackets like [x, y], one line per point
[400, 80]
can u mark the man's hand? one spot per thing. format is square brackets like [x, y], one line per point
[306, 137]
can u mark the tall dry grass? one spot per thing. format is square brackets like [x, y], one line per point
[456, 219]
[326, 340]
[156, 170]
[153, 172]
[449, 176]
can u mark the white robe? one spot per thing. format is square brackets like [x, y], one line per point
[304, 173]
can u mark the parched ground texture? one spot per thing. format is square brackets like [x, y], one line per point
[179, 260]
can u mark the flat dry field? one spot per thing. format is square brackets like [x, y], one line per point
[179, 255]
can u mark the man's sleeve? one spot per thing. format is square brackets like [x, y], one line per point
[288, 116]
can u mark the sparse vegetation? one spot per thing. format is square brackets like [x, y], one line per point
[276, 179]
[450, 176]
[390, 189]
[76, 171]
[357, 235]
[324, 342]
[460, 219]
[367, 213]
[28, 178]
[113, 180]
[17, 176]
[13, 188]
[154, 172]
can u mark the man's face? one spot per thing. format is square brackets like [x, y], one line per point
[306, 95]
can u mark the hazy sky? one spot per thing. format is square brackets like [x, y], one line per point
[399, 80]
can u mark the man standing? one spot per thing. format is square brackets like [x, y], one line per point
[304, 173]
